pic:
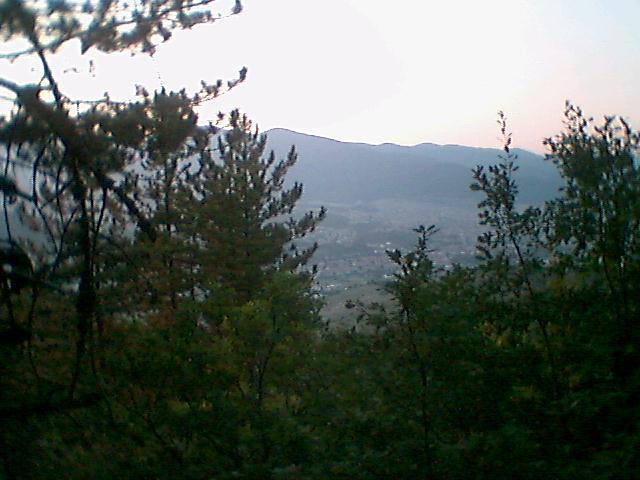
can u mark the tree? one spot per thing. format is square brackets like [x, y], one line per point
[593, 229]
[225, 322]
[512, 236]
[67, 175]
[235, 211]
[569, 264]
[595, 225]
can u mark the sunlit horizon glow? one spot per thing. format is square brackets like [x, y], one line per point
[403, 72]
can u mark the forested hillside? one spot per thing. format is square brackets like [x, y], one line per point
[158, 316]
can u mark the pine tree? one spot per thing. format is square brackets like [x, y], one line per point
[70, 199]
[237, 213]
[227, 313]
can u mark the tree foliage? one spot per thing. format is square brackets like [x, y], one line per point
[158, 317]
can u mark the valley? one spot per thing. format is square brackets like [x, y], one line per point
[375, 195]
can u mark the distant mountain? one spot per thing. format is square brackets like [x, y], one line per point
[343, 172]
[377, 194]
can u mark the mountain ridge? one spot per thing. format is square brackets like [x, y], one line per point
[333, 171]
[289, 131]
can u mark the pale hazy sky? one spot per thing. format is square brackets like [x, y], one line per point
[402, 71]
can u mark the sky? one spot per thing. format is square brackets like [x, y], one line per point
[401, 71]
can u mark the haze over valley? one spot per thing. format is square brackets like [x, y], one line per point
[376, 195]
